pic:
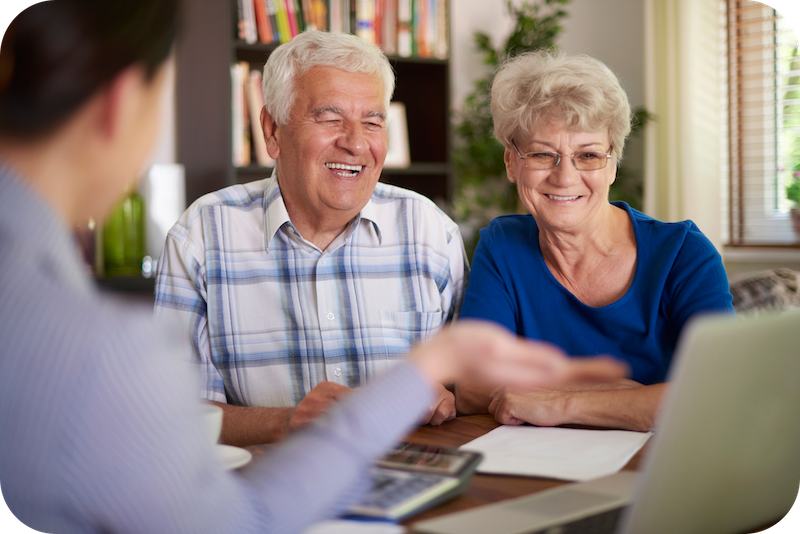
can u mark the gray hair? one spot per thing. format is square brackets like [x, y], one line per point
[534, 88]
[319, 49]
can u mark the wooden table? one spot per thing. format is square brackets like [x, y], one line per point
[487, 489]
[483, 489]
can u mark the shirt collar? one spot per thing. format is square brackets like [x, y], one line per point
[36, 232]
[370, 213]
[276, 215]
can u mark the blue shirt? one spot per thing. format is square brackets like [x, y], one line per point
[100, 426]
[678, 274]
[270, 315]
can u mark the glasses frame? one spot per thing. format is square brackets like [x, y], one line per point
[524, 156]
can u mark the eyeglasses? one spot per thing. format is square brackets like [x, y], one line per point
[583, 161]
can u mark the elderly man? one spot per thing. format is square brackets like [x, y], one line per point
[299, 287]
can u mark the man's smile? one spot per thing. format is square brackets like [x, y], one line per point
[345, 170]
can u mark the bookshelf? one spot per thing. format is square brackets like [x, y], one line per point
[209, 45]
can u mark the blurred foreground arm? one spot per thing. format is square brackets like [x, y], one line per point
[476, 350]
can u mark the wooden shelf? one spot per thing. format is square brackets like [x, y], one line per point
[209, 46]
[127, 284]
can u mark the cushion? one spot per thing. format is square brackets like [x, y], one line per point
[773, 289]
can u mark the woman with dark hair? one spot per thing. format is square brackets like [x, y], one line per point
[100, 427]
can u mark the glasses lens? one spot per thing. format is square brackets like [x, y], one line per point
[541, 160]
[590, 161]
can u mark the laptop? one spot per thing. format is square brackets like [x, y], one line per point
[725, 456]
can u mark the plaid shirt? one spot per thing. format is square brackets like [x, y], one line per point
[270, 315]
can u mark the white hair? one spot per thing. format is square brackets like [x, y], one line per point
[319, 49]
[534, 88]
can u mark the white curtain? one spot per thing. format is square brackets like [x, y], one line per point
[683, 89]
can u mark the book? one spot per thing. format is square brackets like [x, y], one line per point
[365, 20]
[262, 22]
[319, 10]
[404, 21]
[240, 121]
[335, 16]
[442, 50]
[270, 5]
[291, 14]
[378, 20]
[241, 31]
[387, 19]
[419, 28]
[250, 32]
[255, 102]
[309, 22]
[282, 19]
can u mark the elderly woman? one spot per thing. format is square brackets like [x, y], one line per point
[592, 276]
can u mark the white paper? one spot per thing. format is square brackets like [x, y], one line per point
[341, 526]
[562, 453]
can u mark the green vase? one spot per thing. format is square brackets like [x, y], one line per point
[124, 238]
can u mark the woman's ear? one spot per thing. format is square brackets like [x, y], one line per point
[508, 158]
[271, 136]
[116, 104]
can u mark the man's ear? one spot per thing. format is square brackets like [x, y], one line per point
[270, 128]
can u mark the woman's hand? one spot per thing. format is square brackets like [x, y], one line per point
[540, 406]
[620, 403]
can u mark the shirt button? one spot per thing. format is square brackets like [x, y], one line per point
[338, 371]
[322, 262]
[330, 316]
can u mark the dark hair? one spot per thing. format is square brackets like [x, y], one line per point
[55, 55]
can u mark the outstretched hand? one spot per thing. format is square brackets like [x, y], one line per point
[481, 350]
[318, 401]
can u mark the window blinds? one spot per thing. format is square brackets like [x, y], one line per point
[763, 73]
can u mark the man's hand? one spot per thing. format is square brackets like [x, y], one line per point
[317, 402]
[443, 408]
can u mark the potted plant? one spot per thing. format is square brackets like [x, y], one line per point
[793, 195]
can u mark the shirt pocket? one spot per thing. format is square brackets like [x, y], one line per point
[404, 328]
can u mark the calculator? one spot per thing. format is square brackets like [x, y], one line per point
[413, 477]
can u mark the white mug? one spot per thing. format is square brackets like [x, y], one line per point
[212, 414]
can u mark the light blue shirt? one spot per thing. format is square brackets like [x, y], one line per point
[270, 315]
[100, 428]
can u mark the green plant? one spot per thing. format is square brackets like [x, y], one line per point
[481, 190]
[793, 189]
[791, 125]
[628, 186]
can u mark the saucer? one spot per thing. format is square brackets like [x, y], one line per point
[233, 456]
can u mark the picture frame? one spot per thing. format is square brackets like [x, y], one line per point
[397, 155]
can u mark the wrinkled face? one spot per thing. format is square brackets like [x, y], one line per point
[330, 153]
[562, 198]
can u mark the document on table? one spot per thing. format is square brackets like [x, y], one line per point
[562, 453]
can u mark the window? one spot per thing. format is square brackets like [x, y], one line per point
[763, 78]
